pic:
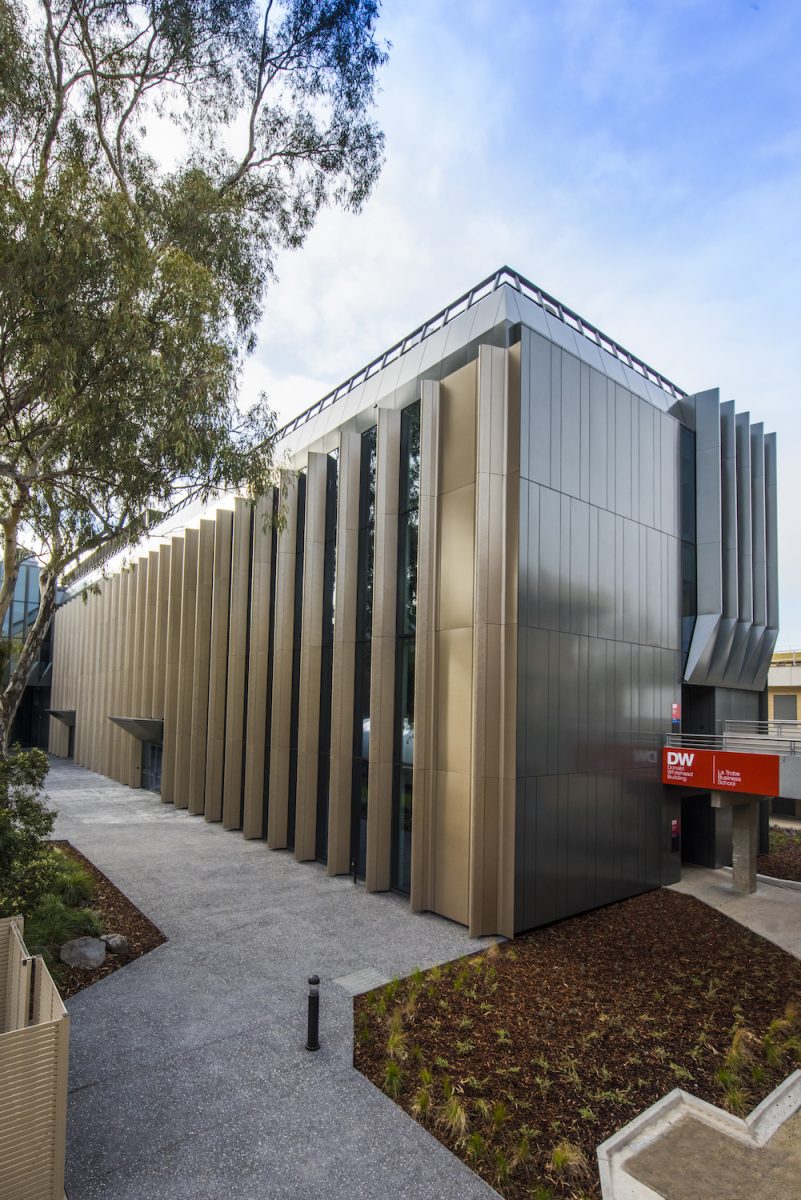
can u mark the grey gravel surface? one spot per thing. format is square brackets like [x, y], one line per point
[188, 1074]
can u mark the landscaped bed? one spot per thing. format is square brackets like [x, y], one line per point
[118, 915]
[524, 1058]
[784, 859]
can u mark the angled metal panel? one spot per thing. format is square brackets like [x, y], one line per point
[754, 653]
[728, 528]
[709, 551]
[771, 534]
[745, 585]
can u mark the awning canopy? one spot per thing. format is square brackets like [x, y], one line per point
[65, 715]
[145, 729]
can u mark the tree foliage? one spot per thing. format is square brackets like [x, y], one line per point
[25, 825]
[154, 157]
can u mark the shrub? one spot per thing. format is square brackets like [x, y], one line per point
[72, 883]
[26, 823]
[52, 923]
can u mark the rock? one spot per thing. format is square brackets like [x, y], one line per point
[85, 952]
[116, 943]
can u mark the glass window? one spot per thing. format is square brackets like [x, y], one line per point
[406, 623]
[300, 535]
[326, 662]
[364, 627]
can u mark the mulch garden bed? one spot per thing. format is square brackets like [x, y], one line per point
[784, 859]
[119, 915]
[524, 1058]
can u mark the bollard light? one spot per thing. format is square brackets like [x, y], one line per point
[313, 1026]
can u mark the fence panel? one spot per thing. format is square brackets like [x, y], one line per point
[34, 1059]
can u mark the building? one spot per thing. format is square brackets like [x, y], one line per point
[784, 686]
[31, 724]
[784, 711]
[514, 558]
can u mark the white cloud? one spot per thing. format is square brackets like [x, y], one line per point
[650, 231]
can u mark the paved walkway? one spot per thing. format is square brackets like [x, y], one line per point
[772, 911]
[188, 1076]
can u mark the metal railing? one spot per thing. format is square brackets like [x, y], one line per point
[504, 276]
[773, 728]
[743, 743]
[34, 1054]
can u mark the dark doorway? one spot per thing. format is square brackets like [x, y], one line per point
[151, 766]
[705, 832]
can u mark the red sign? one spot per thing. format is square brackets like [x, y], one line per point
[721, 770]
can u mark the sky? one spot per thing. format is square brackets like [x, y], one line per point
[640, 162]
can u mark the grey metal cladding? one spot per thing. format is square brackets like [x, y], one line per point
[771, 536]
[599, 659]
[745, 582]
[761, 641]
[736, 551]
[709, 537]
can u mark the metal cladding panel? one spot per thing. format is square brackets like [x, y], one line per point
[736, 550]
[771, 539]
[599, 658]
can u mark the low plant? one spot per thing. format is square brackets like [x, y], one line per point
[475, 1146]
[73, 882]
[423, 1097]
[453, 1116]
[397, 1039]
[503, 1166]
[52, 923]
[393, 1078]
[499, 1115]
[750, 1058]
[568, 1162]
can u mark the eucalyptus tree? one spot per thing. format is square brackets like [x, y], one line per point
[154, 157]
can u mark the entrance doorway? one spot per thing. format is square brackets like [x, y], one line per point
[151, 766]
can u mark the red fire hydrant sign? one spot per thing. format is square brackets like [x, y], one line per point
[721, 770]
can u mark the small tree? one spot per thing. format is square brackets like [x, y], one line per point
[129, 290]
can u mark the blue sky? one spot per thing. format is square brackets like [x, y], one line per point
[642, 162]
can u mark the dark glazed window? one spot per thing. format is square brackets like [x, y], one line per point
[268, 708]
[403, 753]
[364, 629]
[326, 661]
[688, 535]
[296, 638]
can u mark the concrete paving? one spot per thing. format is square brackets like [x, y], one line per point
[188, 1074]
[717, 1167]
[772, 911]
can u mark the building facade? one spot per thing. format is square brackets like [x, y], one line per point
[784, 686]
[31, 723]
[510, 559]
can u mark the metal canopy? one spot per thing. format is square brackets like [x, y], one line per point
[144, 729]
[65, 715]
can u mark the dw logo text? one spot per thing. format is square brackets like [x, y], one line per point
[679, 758]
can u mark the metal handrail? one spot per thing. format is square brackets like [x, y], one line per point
[504, 276]
[734, 742]
[764, 728]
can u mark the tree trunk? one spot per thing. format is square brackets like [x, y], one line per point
[12, 694]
